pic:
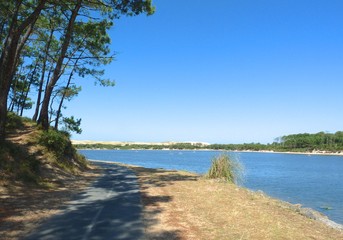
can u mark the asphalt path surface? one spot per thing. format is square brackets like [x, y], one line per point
[110, 209]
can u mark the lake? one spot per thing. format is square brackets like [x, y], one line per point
[314, 181]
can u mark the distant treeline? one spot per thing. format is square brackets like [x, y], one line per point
[332, 142]
[304, 142]
[180, 146]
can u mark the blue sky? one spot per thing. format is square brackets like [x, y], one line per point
[224, 71]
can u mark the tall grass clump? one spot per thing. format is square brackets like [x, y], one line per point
[225, 167]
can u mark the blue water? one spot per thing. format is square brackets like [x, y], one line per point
[313, 181]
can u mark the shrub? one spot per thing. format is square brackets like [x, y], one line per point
[14, 121]
[65, 155]
[54, 141]
[225, 167]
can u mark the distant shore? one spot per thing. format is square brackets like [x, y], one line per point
[299, 153]
[204, 146]
[220, 150]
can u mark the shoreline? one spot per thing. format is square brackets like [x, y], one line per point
[307, 212]
[220, 150]
[296, 153]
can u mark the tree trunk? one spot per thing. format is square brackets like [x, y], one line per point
[9, 55]
[58, 113]
[44, 113]
[3, 115]
[2, 28]
[7, 65]
[40, 89]
[14, 89]
[28, 89]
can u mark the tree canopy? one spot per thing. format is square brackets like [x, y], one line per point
[46, 44]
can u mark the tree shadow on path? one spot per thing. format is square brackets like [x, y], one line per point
[160, 219]
[110, 209]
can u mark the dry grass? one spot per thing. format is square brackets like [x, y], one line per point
[177, 205]
[180, 205]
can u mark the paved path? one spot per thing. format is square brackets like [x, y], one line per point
[110, 209]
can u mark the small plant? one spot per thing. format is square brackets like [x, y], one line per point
[225, 167]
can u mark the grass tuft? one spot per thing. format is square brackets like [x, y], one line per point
[225, 167]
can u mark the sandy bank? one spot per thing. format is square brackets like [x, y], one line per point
[177, 205]
[182, 205]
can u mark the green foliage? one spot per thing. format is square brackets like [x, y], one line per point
[305, 142]
[49, 40]
[15, 122]
[65, 155]
[225, 167]
[20, 159]
[72, 125]
[55, 141]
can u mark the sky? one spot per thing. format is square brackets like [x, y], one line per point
[221, 71]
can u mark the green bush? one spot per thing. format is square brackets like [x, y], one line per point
[226, 168]
[14, 121]
[55, 141]
[66, 156]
